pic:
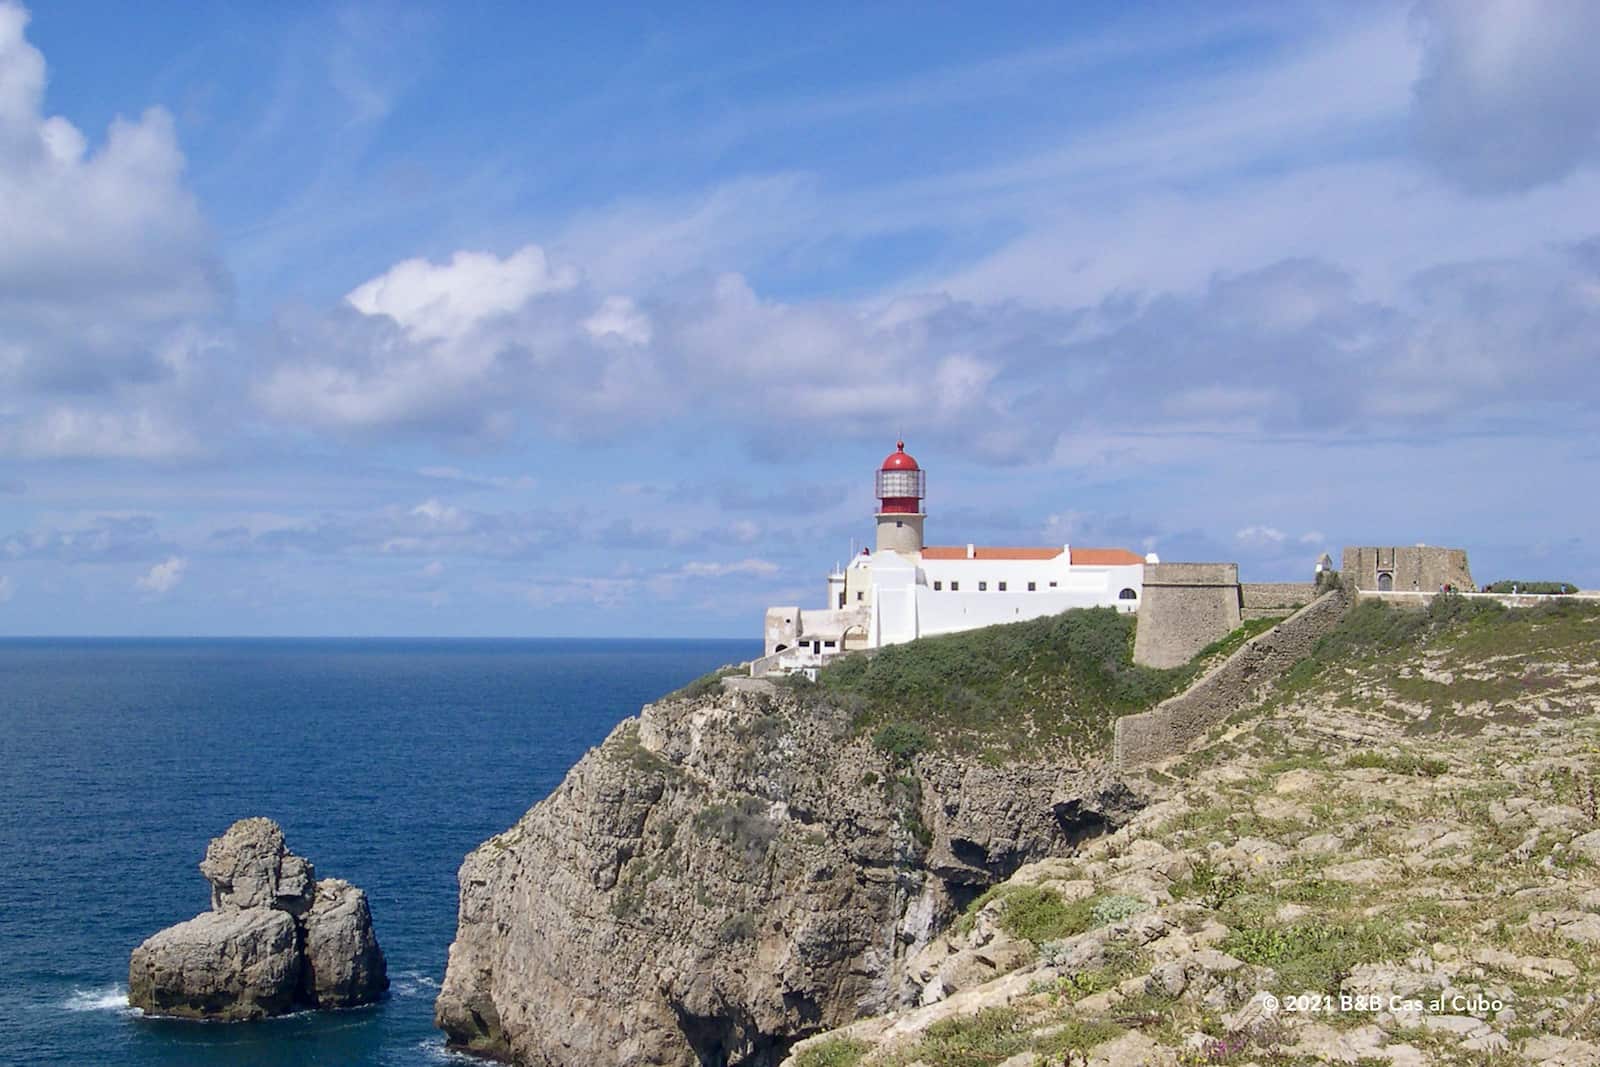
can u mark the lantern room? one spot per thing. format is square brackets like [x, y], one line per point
[900, 484]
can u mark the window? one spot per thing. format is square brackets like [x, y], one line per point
[938, 586]
[1127, 594]
[983, 587]
[860, 594]
[955, 587]
[827, 644]
[1052, 585]
[1002, 587]
[1033, 587]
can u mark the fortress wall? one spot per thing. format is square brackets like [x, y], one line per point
[1185, 607]
[1416, 568]
[1275, 600]
[1176, 723]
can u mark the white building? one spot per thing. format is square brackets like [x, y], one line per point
[905, 589]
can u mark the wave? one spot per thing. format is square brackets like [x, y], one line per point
[413, 984]
[436, 1051]
[109, 998]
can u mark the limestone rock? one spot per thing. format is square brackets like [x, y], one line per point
[219, 965]
[250, 867]
[274, 941]
[343, 964]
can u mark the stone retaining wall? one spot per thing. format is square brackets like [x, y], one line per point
[1175, 724]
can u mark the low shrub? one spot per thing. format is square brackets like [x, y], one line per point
[1555, 588]
[834, 1052]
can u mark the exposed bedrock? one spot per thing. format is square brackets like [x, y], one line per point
[275, 941]
[724, 876]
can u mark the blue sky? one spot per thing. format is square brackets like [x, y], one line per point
[485, 319]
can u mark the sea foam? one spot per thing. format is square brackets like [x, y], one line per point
[109, 998]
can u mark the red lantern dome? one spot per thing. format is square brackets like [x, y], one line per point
[901, 484]
[899, 459]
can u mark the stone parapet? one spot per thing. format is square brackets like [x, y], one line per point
[1170, 728]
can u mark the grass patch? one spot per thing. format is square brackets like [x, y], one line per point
[1004, 690]
[1316, 956]
[982, 1040]
[1227, 645]
[1039, 914]
[705, 685]
[1407, 763]
[835, 1052]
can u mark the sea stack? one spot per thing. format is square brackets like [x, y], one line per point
[276, 940]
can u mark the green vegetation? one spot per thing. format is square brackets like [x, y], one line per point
[1399, 763]
[1039, 914]
[994, 1035]
[1317, 955]
[704, 685]
[902, 740]
[1458, 635]
[1531, 587]
[743, 825]
[835, 1052]
[1226, 646]
[1002, 690]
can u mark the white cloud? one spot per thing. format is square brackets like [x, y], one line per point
[757, 567]
[1313, 537]
[1260, 536]
[163, 577]
[8, 588]
[1509, 94]
[437, 303]
[433, 569]
[105, 266]
[619, 317]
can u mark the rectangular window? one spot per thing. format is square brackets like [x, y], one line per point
[827, 644]
[1052, 585]
[1002, 587]
[983, 587]
[955, 587]
[937, 586]
[1033, 587]
[861, 594]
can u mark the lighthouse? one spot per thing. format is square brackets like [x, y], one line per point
[908, 589]
[900, 488]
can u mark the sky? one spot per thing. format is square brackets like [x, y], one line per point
[581, 320]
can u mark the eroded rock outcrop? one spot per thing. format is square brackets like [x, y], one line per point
[726, 875]
[275, 940]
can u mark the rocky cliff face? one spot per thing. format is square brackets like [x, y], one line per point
[726, 875]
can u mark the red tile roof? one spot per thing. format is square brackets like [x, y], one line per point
[1105, 557]
[988, 552]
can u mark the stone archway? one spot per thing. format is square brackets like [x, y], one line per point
[1385, 582]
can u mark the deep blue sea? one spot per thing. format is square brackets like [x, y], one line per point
[385, 761]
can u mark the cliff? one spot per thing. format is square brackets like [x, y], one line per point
[730, 872]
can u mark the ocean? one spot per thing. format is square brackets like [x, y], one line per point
[385, 761]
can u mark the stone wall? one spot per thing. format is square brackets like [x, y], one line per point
[1275, 600]
[1185, 607]
[1411, 568]
[1175, 724]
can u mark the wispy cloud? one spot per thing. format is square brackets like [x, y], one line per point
[164, 577]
